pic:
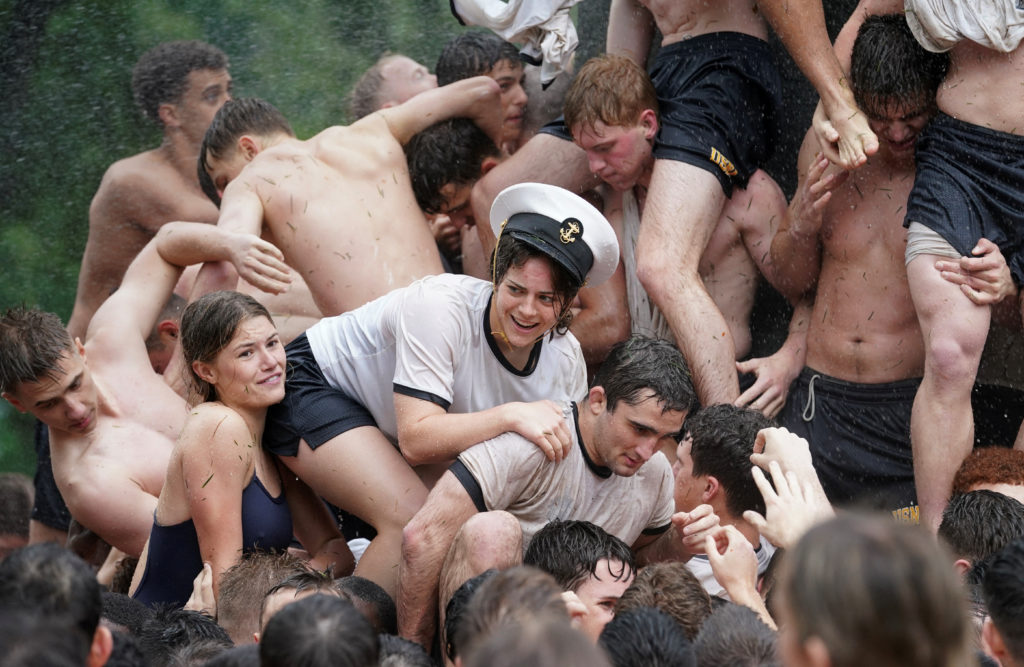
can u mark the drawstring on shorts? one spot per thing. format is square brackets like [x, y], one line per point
[808, 414]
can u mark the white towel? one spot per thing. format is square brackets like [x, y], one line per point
[939, 24]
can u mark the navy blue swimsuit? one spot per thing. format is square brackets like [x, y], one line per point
[174, 559]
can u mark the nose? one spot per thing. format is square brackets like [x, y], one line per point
[646, 449]
[267, 358]
[75, 409]
[596, 164]
[433, 80]
[899, 132]
[520, 96]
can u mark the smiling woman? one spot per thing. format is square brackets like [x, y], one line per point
[223, 495]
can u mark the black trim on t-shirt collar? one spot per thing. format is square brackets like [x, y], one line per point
[600, 471]
[531, 363]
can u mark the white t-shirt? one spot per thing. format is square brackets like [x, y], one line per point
[701, 568]
[511, 473]
[939, 24]
[432, 340]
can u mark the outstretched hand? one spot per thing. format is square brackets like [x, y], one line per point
[696, 526]
[259, 263]
[791, 507]
[985, 278]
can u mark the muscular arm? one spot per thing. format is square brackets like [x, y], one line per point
[800, 24]
[477, 98]
[425, 543]
[796, 248]
[603, 318]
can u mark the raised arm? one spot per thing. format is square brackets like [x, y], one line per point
[843, 129]
[796, 247]
[477, 98]
[425, 543]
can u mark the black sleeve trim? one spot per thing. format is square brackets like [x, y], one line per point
[657, 530]
[451, 6]
[469, 483]
[422, 395]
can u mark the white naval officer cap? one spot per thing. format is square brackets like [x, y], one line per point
[562, 225]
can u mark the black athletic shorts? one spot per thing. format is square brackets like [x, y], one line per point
[312, 410]
[859, 436]
[718, 95]
[969, 185]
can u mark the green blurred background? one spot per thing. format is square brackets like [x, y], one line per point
[66, 111]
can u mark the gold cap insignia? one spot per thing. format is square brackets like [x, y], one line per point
[569, 230]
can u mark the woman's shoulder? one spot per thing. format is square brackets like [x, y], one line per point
[215, 420]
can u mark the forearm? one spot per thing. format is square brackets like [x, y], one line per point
[796, 256]
[667, 547]
[186, 243]
[442, 437]
[749, 597]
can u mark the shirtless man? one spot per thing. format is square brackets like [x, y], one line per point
[846, 241]
[340, 205]
[967, 187]
[112, 419]
[612, 111]
[179, 86]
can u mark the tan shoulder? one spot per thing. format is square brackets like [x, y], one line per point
[216, 420]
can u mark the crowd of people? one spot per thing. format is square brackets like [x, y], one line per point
[471, 379]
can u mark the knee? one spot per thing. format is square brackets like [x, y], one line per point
[953, 357]
[492, 539]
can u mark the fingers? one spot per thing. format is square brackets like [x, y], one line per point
[756, 520]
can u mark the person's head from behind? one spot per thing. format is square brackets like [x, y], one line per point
[647, 637]
[550, 242]
[319, 631]
[585, 559]
[482, 53]
[171, 635]
[243, 587]
[299, 583]
[865, 590]
[508, 597]
[240, 130]
[455, 609]
[713, 461]
[639, 398]
[400, 652]
[894, 80]
[1004, 595]
[545, 640]
[181, 85]
[977, 524]
[16, 498]
[232, 350]
[31, 639]
[612, 111]
[371, 600]
[43, 372]
[998, 469]
[445, 161]
[673, 589]
[736, 635]
[391, 80]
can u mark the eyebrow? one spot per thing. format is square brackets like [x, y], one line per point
[61, 392]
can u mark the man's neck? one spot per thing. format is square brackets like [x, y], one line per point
[180, 153]
[727, 519]
[586, 424]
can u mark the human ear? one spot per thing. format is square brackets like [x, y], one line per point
[248, 147]
[13, 401]
[816, 652]
[597, 400]
[204, 372]
[649, 121]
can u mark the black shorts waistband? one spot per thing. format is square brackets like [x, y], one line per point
[899, 390]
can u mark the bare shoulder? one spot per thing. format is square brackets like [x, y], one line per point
[215, 421]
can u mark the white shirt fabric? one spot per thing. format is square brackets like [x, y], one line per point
[939, 24]
[543, 26]
[430, 340]
[645, 318]
[514, 475]
[701, 568]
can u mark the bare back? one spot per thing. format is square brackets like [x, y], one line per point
[680, 19]
[865, 328]
[341, 209]
[136, 196]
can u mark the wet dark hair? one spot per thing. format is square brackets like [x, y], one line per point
[979, 523]
[208, 325]
[161, 75]
[672, 588]
[570, 551]
[1004, 594]
[455, 608]
[511, 251]
[171, 634]
[473, 53]
[641, 365]
[646, 637]
[723, 440]
[246, 115]
[890, 70]
[319, 630]
[372, 600]
[736, 635]
[32, 344]
[449, 152]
